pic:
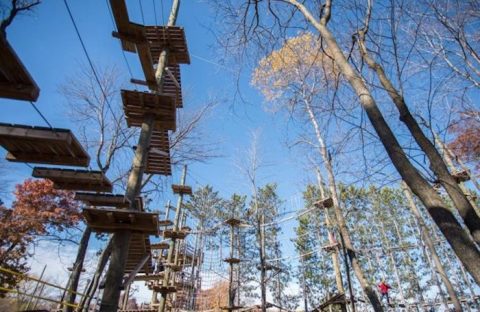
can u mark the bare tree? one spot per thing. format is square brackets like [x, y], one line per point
[252, 18]
[9, 12]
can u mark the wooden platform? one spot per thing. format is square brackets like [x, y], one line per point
[112, 220]
[181, 189]
[137, 249]
[137, 104]
[233, 222]
[149, 277]
[324, 203]
[164, 289]
[158, 158]
[42, 145]
[107, 200]
[165, 223]
[174, 267]
[75, 180]
[161, 245]
[231, 308]
[171, 38]
[174, 234]
[461, 176]
[232, 260]
[15, 81]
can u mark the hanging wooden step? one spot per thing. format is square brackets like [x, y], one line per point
[164, 289]
[107, 200]
[174, 267]
[149, 277]
[232, 260]
[138, 104]
[161, 245]
[158, 158]
[233, 222]
[75, 180]
[111, 220]
[165, 223]
[171, 38]
[229, 308]
[461, 176]
[42, 145]
[137, 249]
[15, 81]
[181, 189]
[324, 203]
[330, 247]
[171, 234]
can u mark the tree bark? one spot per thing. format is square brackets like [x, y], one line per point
[437, 165]
[458, 239]
[431, 248]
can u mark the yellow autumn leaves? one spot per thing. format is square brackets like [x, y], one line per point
[299, 60]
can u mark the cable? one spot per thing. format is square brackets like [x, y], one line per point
[141, 11]
[155, 12]
[41, 115]
[92, 67]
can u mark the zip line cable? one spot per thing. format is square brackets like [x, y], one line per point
[93, 67]
[41, 115]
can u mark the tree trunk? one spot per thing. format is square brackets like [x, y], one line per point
[460, 241]
[340, 220]
[72, 284]
[438, 166]
[431, 247]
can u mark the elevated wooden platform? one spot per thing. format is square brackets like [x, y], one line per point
[181, 189]
[75, 180]
[158, 158]
[107, 200]
[324, 203]
[42, 145]
[171, 38]
[112, 220]
[169, 233]
[174, 267]
[330, 247]
[231, 308]
[149, 277]
[138, 104]
[15, 81]
[161, 245]
[164, 289]
[233, 222]
[232, 260]
[461, 176]
[137, 249]
[165, 223]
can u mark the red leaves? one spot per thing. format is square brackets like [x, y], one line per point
[467, 143]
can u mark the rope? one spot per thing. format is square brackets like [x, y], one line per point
[92, 67]
[41, 115]
[38, 297]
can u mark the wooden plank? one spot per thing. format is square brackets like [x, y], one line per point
[181, 189]
[15, 81]
[158, 158]
[138, 104]
[69, 179]
[42, 145]
[129, 33]
[232, 260]
[144, 222]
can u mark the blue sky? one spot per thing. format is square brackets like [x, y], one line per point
[46, 42]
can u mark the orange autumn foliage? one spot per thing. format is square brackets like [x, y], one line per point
[38, 210]
[466, 144]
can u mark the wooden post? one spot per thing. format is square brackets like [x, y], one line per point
[121, 240]
[171, 249]
[72, 284]
[230, 281]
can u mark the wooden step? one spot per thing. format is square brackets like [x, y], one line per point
[75, 180]
[42, 145]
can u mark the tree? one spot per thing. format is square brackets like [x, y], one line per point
[8, 13]
[466, 143]
[252, 21]
[38, 212]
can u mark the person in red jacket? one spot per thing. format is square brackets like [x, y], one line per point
[384, 288]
